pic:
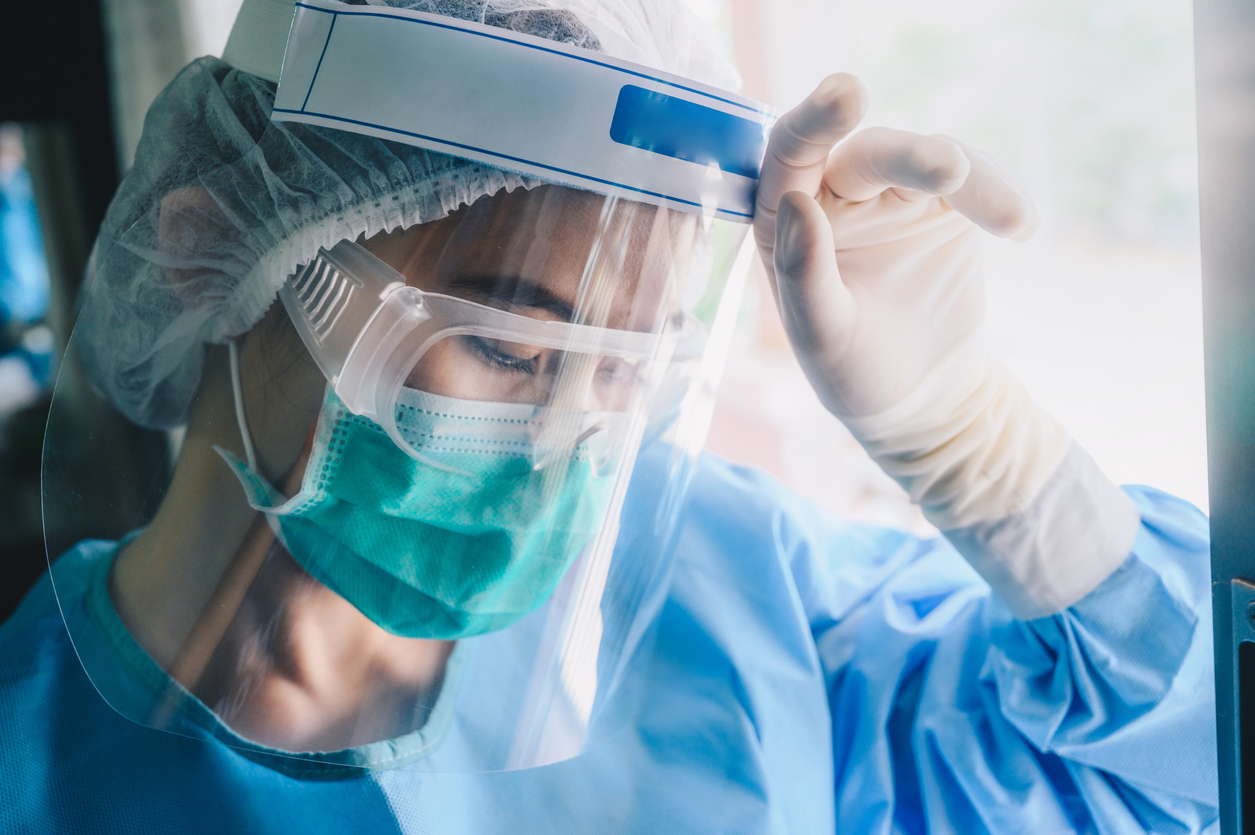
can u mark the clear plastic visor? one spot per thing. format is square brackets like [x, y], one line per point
[466, 481]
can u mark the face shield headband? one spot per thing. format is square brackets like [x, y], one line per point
[521, 103]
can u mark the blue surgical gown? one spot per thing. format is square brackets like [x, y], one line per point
[805, 675]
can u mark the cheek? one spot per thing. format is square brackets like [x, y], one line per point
[441, 371]
[283, 394]
[449, 370]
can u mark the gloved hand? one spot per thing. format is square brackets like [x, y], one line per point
[875, 256]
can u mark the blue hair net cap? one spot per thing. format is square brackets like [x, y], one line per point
[223, 204]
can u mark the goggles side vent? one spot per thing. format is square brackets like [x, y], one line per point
[324, 293]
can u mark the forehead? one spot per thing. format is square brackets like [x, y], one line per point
[572, 245]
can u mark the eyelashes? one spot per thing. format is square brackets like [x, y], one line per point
[610, 382]
[493, 357]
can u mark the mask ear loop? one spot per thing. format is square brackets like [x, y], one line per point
[237, 394]
[250, 455]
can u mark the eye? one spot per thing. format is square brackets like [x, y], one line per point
[505, 356]
[616, 373]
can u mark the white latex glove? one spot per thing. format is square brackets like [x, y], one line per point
[875, 254]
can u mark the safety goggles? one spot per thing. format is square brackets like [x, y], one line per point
[374, 335]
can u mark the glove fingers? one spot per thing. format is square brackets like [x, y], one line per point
[911, 195]
[815, 305]
[876, 159]
[992, 199]
[798, 148]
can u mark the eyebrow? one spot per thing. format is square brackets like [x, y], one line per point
[513, 291]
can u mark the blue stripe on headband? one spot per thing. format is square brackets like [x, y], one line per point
[682, 129]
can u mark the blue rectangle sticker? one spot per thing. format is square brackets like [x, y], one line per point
[682, 129]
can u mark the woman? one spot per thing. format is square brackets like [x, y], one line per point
[436, 554]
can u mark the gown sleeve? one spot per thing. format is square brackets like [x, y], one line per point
[951, 715]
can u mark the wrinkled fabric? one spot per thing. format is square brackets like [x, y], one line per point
[220, 208]
[803, 674]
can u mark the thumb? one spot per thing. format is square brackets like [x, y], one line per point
[816, 307]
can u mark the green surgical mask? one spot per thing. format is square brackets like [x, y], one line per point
[464, 542]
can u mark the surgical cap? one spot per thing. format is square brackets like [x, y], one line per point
[223, 204]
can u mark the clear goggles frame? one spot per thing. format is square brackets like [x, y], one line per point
[369, 331]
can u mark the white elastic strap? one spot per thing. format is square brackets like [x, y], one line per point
[237, 394]
[259, 36]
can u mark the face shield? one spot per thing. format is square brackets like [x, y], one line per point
[456, 451]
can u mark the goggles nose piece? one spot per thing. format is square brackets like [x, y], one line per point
[557, 432]
[599, 433]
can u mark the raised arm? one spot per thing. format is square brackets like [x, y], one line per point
[1076, 697]
[875, 253]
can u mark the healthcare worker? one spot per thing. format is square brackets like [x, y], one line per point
[437, 294]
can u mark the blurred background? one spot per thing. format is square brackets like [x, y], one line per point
[1089, 102]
